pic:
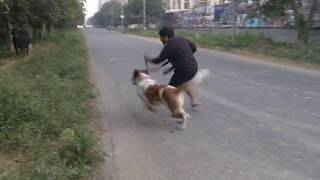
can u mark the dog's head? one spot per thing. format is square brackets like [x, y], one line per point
[138, 75]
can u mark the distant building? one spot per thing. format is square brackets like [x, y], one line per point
[180, 5]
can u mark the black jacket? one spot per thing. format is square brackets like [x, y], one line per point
[179, 52]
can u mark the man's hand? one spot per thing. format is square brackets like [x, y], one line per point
[147, 58]
[152, 67]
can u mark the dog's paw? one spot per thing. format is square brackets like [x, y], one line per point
[179, 121]
[194, 105]
[178, 116]
[152, 109]
[187, 116]
[182, 123]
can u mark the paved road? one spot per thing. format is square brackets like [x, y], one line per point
[257, 121]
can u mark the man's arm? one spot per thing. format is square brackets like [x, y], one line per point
[192, 45]
[168, 70]
[162, 57]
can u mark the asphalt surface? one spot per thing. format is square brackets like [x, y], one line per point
[257, 120]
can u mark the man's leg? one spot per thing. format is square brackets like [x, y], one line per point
[193, 98]
[179, 82]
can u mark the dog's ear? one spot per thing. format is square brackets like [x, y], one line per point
[135, 74]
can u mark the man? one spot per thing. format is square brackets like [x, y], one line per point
[179, 52]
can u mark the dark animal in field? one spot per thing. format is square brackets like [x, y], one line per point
[21, 41]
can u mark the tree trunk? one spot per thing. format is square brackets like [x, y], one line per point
[34, 32]
[50, 28]
[43, 29]
[39, 30]
[304, 25]
[9, 43]
[303, 36]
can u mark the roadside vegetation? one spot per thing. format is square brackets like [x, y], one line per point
[253, 43]
[45, 132]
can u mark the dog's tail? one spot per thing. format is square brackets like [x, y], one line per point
[200, 76]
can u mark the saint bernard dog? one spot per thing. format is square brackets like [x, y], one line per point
[154, 94]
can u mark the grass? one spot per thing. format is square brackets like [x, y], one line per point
[4, 52]
[44, 112]
[253, 43]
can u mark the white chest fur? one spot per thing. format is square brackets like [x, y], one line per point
[145, 83]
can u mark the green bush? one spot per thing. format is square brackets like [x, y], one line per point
[40, 99]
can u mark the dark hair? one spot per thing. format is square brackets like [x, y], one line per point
[166, 31]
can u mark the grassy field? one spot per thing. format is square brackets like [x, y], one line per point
[45, 132]
[4, 53]
[252, 43]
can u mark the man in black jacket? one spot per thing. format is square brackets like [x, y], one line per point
[179, 53]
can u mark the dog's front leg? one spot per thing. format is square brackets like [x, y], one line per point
[146, 102]
[151, 108]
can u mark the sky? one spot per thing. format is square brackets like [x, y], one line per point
[91, 7]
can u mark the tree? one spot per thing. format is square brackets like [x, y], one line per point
[38, 16]
[39, 12]
[134, 11]
[91, 21]
[109, 15]
[303, 15]
[66, 13]
[5, 18]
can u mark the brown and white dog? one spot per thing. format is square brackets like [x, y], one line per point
[154, 94]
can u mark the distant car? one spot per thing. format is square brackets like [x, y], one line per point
[80, 26]
[109, 28]
[152, 26]
[290, 25]
[133, 26]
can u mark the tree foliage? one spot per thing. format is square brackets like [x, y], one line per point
[39, 16]
[134, 11]
[303, 14]
[109, 15]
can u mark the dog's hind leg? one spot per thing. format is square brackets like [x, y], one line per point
[185, 120]
[184, 113]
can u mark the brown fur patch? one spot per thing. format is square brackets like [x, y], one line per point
[171, 96]
[152, 93]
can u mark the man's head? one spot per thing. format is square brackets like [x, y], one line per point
[166, 33]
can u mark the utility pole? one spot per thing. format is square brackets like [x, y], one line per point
[111, 15]
[144, 14]
[233, 20]
[122, 16]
